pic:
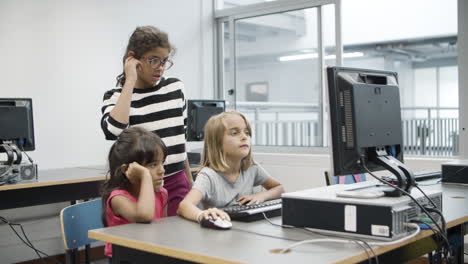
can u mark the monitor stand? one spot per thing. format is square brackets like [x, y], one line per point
[405, 177]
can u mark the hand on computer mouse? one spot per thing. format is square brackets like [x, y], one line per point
[214, 213]
[221, 224]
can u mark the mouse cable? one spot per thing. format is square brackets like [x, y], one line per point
[275, 224]
[354, 239]
[350, 240]
[290, 226]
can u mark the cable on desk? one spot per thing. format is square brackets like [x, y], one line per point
[22, 149]
[349, 240]
[356, 240]
[260, 234]
[275, 224]
[27, 242]
[443, 232]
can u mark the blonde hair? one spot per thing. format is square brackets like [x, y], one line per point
[213, 154]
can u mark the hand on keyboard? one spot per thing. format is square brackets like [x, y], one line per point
[255, 198]
[237, 212]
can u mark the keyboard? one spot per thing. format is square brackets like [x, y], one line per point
[253, 212]
[418, 177]
[422, 176]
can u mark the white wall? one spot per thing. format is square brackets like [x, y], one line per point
[65, 54]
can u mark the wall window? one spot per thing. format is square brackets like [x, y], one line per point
[272, 56]
[275, 77]
[421, 46]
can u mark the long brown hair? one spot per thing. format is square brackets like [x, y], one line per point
[142, 40]
[213, 154]
[133, 144]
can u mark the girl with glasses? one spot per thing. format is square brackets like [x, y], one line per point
[145, 98]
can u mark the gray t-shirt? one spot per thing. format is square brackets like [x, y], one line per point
[218, 192]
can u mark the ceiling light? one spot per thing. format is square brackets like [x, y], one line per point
[315, 55]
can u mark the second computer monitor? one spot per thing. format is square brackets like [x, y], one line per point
[199, 111]
[16, 123]
[366, 127]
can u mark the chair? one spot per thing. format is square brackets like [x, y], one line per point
[75, 221]
[344, 179]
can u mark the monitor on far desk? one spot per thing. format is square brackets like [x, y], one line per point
[16, 137]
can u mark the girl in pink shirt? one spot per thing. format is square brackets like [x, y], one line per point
[134, 192]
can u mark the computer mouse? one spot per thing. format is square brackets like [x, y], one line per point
[216, 224]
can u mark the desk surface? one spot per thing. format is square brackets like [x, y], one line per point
[53, 186]
[61, 176]
[255, 242]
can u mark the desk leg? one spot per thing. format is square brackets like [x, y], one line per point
[456, 236]
[124, 255]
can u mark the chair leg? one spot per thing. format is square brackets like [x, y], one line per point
[87, 254]
[71, 256]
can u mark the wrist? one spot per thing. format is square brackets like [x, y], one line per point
[200, 214]
[130, 83]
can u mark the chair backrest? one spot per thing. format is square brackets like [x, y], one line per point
[77, 219]
[344, 179]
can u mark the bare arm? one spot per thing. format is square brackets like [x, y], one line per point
[121, 110]
[188, 208]
[188, 173]
[274, 189]
[144, 209]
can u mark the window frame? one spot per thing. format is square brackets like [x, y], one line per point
[231, 15]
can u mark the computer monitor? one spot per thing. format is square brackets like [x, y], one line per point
[16, 123]
[199, 111]
[366, 125]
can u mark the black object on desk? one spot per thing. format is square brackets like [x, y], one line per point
[418, 177]
[253, 212]
[423, 176]
[455, 172]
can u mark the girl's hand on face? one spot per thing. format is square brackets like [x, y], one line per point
[251, 199]
[214, 213]
[135, 172]
[131, 67]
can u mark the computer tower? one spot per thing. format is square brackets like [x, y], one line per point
[383, 218]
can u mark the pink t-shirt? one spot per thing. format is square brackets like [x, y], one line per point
[113, 220]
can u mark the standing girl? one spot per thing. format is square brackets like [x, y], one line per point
[144, 98]
[229, 172]
[134, 191]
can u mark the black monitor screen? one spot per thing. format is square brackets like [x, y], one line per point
[199, 111]
[16, 122]
[365, 120]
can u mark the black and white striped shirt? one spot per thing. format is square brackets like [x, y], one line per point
[161, 109]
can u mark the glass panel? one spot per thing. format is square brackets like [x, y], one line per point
[278, 77]
[425, 83]
[225, 4]
[449, 86]
[328, 18]
[421, 46]
[448, 79]
[228, 95]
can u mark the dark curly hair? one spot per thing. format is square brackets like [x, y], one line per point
[142, 40]
[133, 144]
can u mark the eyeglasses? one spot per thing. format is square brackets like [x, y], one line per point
[156, 62]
